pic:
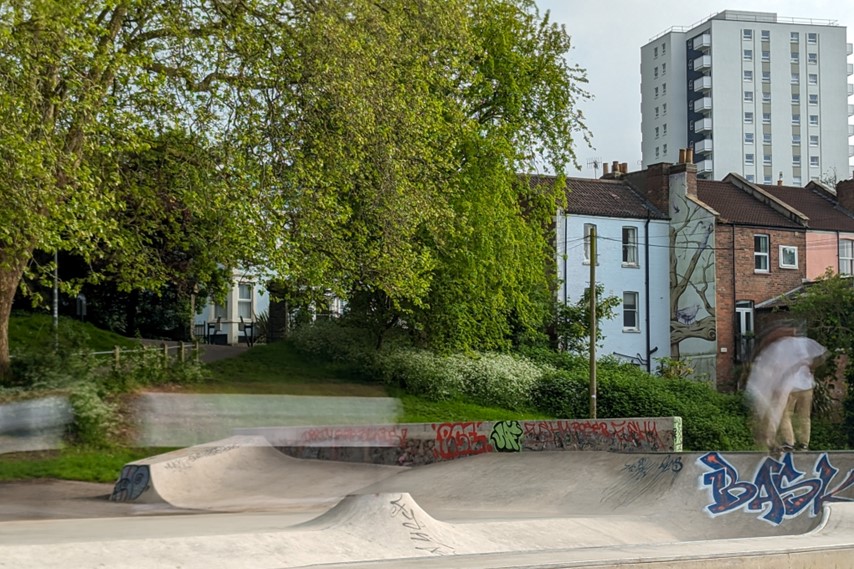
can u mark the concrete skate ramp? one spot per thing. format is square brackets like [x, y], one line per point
[391, 530]
[242, 473]
[692, 496]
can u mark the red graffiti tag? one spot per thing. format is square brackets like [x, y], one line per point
[454, 440]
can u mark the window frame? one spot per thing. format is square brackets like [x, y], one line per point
[586, 253]
[244, 301]
[633, 311]
[787, 251]
[629, 236]
[760, 253]
[846, 259]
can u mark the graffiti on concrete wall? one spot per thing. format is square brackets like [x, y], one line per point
[423, 443]
[455, 440]
[418, 532]
[646, 476]
[368, 435]
[777, 491]
[134, 480]
[506, 436]
[628, 434]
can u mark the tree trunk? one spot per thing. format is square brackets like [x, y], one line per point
[11, 271]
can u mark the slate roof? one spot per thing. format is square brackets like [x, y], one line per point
[740, 208]
[608, 198]
[820, 206]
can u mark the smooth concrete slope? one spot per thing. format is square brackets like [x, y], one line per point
[242, 473]
[693, 495]
[390, 530]
[549, 509]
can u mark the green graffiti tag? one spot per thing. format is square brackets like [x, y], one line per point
[506, 436]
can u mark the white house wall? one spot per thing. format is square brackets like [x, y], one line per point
[574, 274]
[230, 319]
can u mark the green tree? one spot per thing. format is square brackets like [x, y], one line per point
[572, 321]
[79, 83]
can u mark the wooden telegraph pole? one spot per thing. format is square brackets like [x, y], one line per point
[593, 322]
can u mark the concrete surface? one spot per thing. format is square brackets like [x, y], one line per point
[549, 509]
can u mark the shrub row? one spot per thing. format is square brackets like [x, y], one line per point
[554, 383]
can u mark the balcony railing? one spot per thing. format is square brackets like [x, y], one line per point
[703, 105]
[851, 69]
[704, 146]
[703, 62]
[849, 48]
[851, 130]
[851, 110]
[705, 42]
[703, 83]
[704, 166]
[703, 125]
[850, 89]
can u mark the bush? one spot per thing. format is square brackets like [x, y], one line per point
[331, 340]
[485, 379]
[710, 420]
[95, 421]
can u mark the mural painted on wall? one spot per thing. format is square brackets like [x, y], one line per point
[777, 491]
[692, 284]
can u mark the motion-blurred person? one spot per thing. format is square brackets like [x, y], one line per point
[781, 383]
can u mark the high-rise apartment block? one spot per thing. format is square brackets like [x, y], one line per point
[751, 93]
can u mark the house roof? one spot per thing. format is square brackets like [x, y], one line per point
[608, 198]
[819, 205]
[740, 208]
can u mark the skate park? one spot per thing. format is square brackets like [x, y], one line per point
[579, 493]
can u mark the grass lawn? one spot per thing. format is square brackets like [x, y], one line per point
[88, 465]
[264, 369]
[34, 331]
[279, 369]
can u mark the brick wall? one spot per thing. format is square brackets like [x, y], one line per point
[743, 283]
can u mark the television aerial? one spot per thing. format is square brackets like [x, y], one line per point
[595, 162]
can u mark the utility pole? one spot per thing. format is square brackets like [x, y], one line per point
[593, 259]
[56, 300]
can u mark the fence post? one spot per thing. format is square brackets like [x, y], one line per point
[117, 356]
[197, 349]
[165, 354]
[181, 352]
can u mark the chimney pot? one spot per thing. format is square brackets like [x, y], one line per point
[682, 152]
[689, 155]
[604, 169]
[624, 167]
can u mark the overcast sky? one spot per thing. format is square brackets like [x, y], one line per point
[607, 36]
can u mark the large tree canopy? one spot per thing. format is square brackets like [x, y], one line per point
[362, 146]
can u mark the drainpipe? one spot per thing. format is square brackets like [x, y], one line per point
[646, 292]
[565, 243]
[734, 294]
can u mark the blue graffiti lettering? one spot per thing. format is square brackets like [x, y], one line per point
[778, 490]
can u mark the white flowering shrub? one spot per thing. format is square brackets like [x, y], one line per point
[489, 379]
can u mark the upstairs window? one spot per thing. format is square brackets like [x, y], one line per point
[748, 55]
[760, 253]
[589, 229]
[630, 246]
[788, 257]
[846, 257]
[747, 34]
